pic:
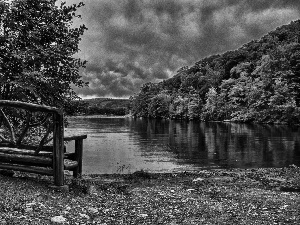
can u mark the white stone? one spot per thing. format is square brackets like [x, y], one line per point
[93, 210]
[30, 204]
[143, 215]
[84, 215]
[191, 189]
[28, 209]
[198, 179]
[58, 219]
[92, 190]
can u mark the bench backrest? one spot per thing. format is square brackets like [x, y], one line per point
[52, 119]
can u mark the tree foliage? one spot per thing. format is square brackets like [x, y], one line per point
[259, 82]
[37, 47]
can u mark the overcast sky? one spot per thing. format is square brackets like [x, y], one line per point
[131, 42]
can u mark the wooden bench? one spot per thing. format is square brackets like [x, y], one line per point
[48, 156]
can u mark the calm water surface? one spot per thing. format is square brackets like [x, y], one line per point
[125, 145]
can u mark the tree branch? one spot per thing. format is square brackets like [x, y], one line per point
[4, 139]
[19, 141]
[12, 133]
[44, 140]
[40, 123]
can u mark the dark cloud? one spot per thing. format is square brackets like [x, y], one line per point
[131, 42]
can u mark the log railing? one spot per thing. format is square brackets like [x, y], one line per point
[32, 140]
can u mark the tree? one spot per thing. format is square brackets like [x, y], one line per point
[179, 107]
[159, 106]
[215, 106]
[194, 105]
[140, 102]
[37, 47]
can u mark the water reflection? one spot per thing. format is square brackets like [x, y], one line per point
[122, 145]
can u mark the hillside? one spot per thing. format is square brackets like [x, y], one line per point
[100, 106]
[107, 103]
[259, 82]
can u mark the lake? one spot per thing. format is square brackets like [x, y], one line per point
[125, 145]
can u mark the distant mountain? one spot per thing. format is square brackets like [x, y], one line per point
[101, 106]
[259, 82]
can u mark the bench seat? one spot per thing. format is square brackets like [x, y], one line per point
[28, 157]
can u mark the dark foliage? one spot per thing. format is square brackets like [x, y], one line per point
[99, 106]
[259, 82]
[37, 47]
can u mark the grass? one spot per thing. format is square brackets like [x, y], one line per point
[251, 196]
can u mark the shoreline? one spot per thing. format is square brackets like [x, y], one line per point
[218, 196]
[170, 119]
[98, 116]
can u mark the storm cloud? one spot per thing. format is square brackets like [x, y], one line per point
[131, 42]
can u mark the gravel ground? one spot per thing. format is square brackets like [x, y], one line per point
[231, 196]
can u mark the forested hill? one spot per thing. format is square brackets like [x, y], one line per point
[99, 106]
[259, 82]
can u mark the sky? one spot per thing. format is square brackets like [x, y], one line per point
[132, 42]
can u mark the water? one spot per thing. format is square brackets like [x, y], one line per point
[125, 145]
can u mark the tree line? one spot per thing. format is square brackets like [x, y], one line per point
[259, 82]
[98, 106]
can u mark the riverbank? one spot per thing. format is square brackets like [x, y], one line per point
[99, 116]
[232, 196]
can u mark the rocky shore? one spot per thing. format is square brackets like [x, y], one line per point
[219, 196]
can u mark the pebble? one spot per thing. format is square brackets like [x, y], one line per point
[92, 190]
[84, 216]
[191, 189]
[93, 210]
[58, 219]
[28, 209]
[198, 179]
[30, 204]
[143, 215]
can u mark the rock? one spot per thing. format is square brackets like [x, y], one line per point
[92, 210]
[143, 215]
[28, 209]
[92, 190]
[293, 166]
[198, 180]
[191, 189]
[58, 220]
[30, 204]
[84, 216]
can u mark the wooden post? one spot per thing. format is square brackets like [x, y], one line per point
[78, 157]
[58, 148]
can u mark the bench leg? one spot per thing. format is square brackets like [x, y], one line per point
[58, 150]
[78, 157]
